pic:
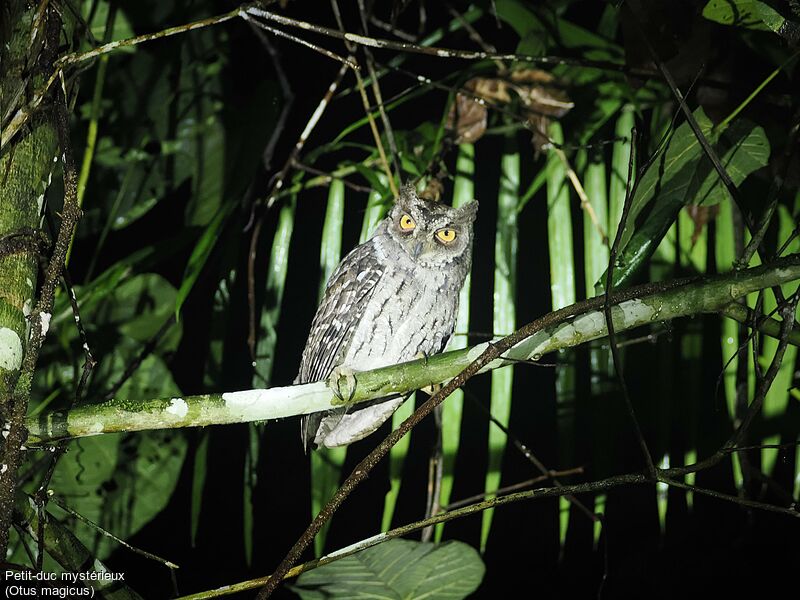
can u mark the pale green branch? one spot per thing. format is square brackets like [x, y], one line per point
[632, 308]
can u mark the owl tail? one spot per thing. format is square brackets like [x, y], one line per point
[341, 427]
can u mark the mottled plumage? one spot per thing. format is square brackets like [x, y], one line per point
[392, 299]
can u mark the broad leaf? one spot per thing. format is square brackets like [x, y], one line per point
[201, 253]
[398, 570]
[683, 175]
[750, 14]
[118, 482]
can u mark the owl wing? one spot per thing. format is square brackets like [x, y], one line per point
[340, 311]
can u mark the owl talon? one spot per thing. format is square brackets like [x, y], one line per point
[432, 389]
[334, 383]
[424, 356]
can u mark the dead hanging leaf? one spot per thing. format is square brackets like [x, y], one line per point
[538, 92]
[433, 191]
[467, 118]
[700, 216]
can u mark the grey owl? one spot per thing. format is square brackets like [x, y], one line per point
[392, 299]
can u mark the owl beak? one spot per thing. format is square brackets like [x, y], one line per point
[418, 249]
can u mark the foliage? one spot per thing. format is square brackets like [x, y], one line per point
[398, 569]
[208, 231]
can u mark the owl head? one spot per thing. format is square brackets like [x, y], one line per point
[432, 234]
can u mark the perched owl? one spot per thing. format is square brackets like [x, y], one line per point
[392, 299]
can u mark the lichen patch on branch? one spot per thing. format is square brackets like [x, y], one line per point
[10, 349]
[178, 407]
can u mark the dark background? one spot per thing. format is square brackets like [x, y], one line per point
[717, 545]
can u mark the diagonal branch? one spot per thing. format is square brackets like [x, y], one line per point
[491, 352]
[602, 485]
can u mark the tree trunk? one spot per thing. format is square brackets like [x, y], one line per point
[29, 39]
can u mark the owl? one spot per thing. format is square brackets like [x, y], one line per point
[392, 299]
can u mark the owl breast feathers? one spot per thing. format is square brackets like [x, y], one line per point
[392, 299]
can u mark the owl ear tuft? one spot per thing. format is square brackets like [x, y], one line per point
[408, 194]
[468, 212]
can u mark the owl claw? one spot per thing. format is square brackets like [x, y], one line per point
[428, 389]
[334, 383]
[432, 389]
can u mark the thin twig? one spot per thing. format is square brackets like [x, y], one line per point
[602, 485]
[407, 37]
[790, 239]
[360, 472]
[280, 33]
[89, 362]
[755, 406]
[695, 127]
[288, 97]
[134, 365]
[772, 200]
[514, 487]
[443, 517]
[272, 195]
[586, 205]
[365, 101]
[612, 259]
[331, 176]
[529, 455]
[76, 57]
[475, 36]
[790, 511]
[435, 475]
[787, 314]
[384, 44]
[149, 555]
[279, 179]
[376, 91]
[23, 114]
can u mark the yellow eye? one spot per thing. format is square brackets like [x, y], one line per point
[407, 223]
[446, 235]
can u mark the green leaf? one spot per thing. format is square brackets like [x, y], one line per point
[271, 310]
[376, 181]
[776, 403]
[524, 21]
[250, 480]
[201, 156]
[200, 254]
[122, 26]
[398, 570]
[138, 307]
[198, 482]
[377, 205]
[330, 252]
[620, 160]
[683, 175]
[562, 293]
[119, 482]
[326, 463]
[397, 459]
[504, 322]
[749, 14]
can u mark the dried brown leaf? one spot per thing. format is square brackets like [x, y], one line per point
[700, 216]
